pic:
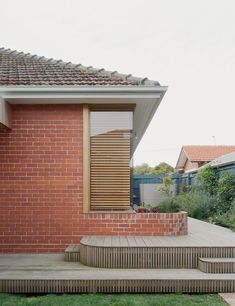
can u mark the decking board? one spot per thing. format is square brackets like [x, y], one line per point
[44, 273]
[48, 273]
[159, 252]
[200, 234]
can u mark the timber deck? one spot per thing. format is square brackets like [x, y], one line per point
[163, 264]
[200, 234]
[49, 273]
[203, 240]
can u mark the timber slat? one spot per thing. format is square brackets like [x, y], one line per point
[110, 171]
[117, 285]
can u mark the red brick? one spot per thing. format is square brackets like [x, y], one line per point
[41, 208]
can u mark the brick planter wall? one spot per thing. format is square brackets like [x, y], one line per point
[136, 224]
[41, 208]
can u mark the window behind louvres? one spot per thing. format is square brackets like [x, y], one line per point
[110, 146]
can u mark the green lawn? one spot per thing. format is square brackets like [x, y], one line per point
[112, 300]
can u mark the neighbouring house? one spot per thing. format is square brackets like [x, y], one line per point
[67, 136]
[193, 157]
[224, 163]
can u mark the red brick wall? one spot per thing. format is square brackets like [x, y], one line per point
[41, 186]
[41, 178]
[136, 224]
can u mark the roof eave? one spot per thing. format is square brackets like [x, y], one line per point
[99, 89]
[181, 159]
[83, 92]
[129, 94]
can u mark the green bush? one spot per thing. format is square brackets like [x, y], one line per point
[213, 198]
[169, 204]
[167, 183]
[198, 204]
[208, 179]
[225, 192]
[226, 219]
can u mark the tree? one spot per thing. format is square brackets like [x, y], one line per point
[142, 169]
[163, 168]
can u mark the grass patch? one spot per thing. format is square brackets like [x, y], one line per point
[112, 300]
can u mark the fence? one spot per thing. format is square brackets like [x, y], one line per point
[184, 180]
[139, 180]
[188, 179]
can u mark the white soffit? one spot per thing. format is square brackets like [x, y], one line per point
[147, 100]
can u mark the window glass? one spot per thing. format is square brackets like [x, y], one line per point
[103, 122]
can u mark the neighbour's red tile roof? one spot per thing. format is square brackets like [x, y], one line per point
[20, 69]
[206, 153]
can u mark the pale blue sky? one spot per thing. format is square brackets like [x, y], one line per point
[188, 45]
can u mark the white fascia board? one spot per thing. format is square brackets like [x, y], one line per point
[83, 88]
[134, 92]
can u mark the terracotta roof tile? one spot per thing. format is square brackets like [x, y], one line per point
[20, 69]
[206, 153]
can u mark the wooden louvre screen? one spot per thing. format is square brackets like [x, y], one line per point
[110, 170]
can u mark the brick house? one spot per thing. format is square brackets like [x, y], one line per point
[67, 136]
[194, 157]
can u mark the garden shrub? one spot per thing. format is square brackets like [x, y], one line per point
[226, 192]
[167, 183]
[198, 204]
[169, 204]
[142, 210]
[208, 179]
[226, 219]
[212, 199]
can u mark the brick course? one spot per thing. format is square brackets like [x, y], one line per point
[41, 206]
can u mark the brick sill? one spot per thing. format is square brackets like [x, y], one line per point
[129, 212]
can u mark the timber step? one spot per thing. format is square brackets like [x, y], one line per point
[49, 273]
[115, 281]
[72, 252]
[145, 252]
[217, 265]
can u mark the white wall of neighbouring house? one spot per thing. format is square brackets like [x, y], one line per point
[151, 195]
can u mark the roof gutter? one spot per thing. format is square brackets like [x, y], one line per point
[80, 92]
[84, 88]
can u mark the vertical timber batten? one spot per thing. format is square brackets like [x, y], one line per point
[86, 158]
[5, 121]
